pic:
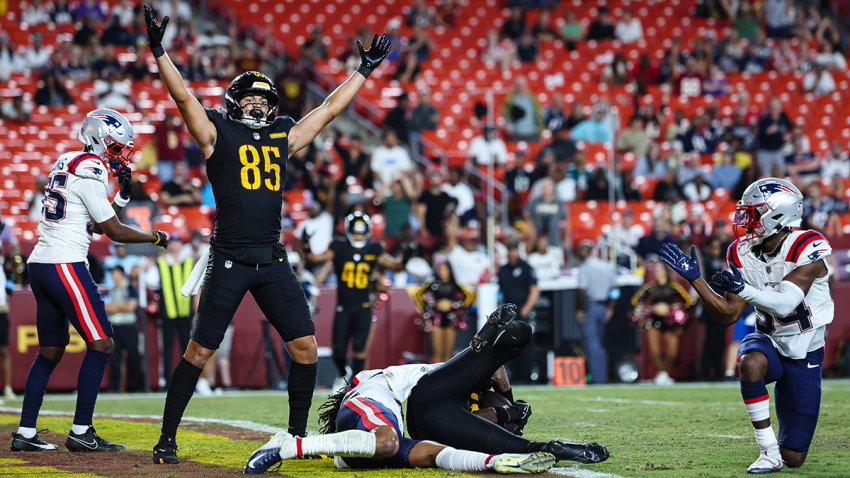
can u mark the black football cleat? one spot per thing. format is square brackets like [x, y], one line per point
[20, 443]
[90, 442]
[165, 452]
[580, 452]
[497, 323]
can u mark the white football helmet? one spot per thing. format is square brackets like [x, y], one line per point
[768, 206]
[358, 223]
[108, 134]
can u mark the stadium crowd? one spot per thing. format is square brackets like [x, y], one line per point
[436, 215]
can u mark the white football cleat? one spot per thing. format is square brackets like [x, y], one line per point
[510, 463]
[766, 464]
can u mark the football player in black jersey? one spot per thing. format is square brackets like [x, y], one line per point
[246, 149]
[354, 262]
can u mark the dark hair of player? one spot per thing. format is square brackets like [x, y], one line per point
[329, 410]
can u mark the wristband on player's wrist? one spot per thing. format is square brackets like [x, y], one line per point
[157, 51]
[120, 200]
[364, 70]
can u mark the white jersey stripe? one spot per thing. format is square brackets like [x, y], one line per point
[366, 414]
[81, 305]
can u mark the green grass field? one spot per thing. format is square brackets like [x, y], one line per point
[680, 431]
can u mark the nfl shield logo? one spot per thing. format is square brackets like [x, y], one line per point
[769, 270]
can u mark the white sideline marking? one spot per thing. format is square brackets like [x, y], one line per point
[627, 401]
[577, 472]
[244, 424]
[598, 410]
[585, 424]
[734, 437]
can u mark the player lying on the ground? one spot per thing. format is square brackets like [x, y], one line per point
[376, 396]
[783, 274]
[497, 404]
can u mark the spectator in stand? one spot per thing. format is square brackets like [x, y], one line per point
[616, 73]
[16, 110]
[622, 238]
[649, 246]
[773, 130]
[716, 85]
[836, 164]
[86, 33]
[420, 43]
[602, 27]
[576, 115]
[111, 91]
[121, 304]
[447, 13]
[518, 182]
[35, 204]
[527, 48]
[634, 139]
[597, 187]
[572, 31]
[661, 308]
[51, 92]
[562, 146]
[595, 129]
[176, 9]
[554, 115]
[317, 231]
[819, 81]
[355, 160]
[390, 160]
[89, 9]
[697, 189]
[712, 361]
[35, 12]
[629, 29]
[653, 165]
[645, 73]
[468, 259]
[126, 10]
[522, 113]
[10, 61]
[624, 187]
[291, 85]
[518, 283]
[36, 55]
[435, 207]
[419, 14]
[457, 188]
[424, 117]
[779, 18]
[819, 211]
[180, 191]
[546, 260]
[833, 59]
[514, 26]
[138, 69]
[499, 51]
[546, 213]
[444, 303]
[700, 137]
[488, 148]
[408, 67]
[168, 138]
[314, 48]
[60, 12]
[398, 205]
[542, 29]
[725, 174]
[116, 34]
[398, 118]
[597, 290]
[746, 22]
[803, 165]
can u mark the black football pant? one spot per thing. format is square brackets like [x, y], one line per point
[351, 324]
[438, 407]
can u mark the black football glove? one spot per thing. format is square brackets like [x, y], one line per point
[371, 58]
[155, 31]
[125, 182]
[524, 410]
[161, 238]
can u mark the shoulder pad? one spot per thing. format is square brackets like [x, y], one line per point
[89, 166]
[732, 256]
[807, 247]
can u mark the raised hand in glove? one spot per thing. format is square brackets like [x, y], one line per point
[371, 58]
[730, 281]
[155, 31]
[687, 267]
[161, 238]
[125, 182]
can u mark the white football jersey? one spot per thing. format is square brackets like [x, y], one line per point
[390, 387]
[804, 329]
[76, 195]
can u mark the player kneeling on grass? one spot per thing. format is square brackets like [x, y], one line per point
[373, 403]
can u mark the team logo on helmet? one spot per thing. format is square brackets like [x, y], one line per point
[769, 189]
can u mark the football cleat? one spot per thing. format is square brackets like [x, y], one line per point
[580, 452]
[497, 323]
[90, 441]
[510, 463]
[269, 454]
[766, 464]
[20, 443]
[165, 452]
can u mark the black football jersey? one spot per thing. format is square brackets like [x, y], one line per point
[354, 269]
[246, 171]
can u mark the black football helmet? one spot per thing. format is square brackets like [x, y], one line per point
[358, 223]
[251, 83]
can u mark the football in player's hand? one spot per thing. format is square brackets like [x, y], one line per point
[493, 399]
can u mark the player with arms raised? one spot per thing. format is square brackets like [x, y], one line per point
[782, 272]
[246, 149]
[75, 206]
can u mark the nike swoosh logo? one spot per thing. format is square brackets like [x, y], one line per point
[816, 244]
[86, 444]
[254, 460]
[808, 365]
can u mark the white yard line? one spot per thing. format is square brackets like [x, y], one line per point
[244, 424]
[734, 437]
[578, 472]
[628, 401]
